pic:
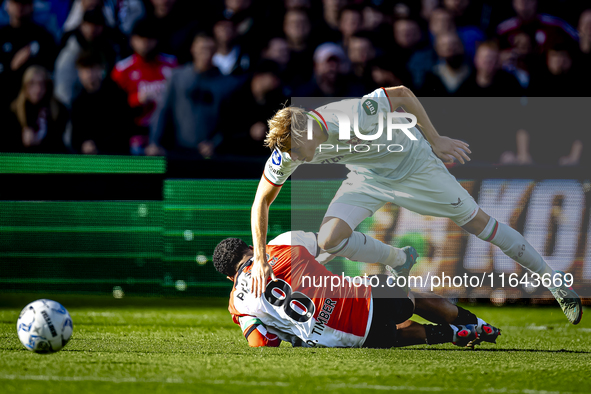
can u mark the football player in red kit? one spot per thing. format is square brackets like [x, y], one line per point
[295, 309]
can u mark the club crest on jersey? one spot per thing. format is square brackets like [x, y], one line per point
[276, 158]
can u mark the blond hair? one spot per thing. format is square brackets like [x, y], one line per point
[288, 122]
[18, 106]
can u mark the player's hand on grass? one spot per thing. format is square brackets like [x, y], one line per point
[448, 149]
[261, 270]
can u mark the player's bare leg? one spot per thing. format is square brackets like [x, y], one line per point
[514, 245]
[337, 238]
[411, 333]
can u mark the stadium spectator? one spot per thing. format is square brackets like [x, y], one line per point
[258, 100]
[488, 80]
[129, 12]
[451, 70]
[143, 76]
[427, 7]
[545, 30]
[422, 61]
[249, 23]
[330, 75]
[558, 79]
[361, 52]
[80, 7]
[277, 50]
[585, 32]
[331, 11]
[519, 60]
[92, 35]
[230, 57]
[378, 23]
[350, 22]
[467, 24]
[37, 121]
[297, 4]
[174, 24]
[50, 14]
[297, 28]
[186, 123]
[382, 74]
[460, 11]
[23, 43]
[373, 17]
[407, 38]
[101, 118]
[583, 61]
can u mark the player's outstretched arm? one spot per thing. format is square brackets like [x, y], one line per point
[261, 270]
[444, 147]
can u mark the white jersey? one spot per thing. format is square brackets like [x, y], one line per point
[393, 159]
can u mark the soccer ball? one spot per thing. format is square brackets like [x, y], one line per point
[44, 326]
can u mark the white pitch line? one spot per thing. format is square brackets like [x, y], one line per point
[415, 388]
[135, 380]
[264, 383]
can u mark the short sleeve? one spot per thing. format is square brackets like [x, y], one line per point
[278, 168]
[298, 238]
[370, 108]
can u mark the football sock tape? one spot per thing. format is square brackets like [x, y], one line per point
[514, 245]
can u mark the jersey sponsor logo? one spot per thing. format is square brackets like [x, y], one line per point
[332, 160]
[276, 158]
[275, 171]
[370, 107]
[155, 87]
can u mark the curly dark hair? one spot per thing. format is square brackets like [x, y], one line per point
[227, 255]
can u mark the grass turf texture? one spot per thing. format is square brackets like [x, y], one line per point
[176, 346]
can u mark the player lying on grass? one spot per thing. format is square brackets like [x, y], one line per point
[308, 313]
[414, 178]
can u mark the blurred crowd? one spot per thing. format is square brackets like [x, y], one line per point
[188, 78]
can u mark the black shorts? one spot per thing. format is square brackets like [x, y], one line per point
[391, 306]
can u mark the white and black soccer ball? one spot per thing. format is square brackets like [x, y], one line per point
[44, 326]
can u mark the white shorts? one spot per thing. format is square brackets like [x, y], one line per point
[430, 191]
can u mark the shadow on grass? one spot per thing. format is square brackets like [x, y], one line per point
[497, 350]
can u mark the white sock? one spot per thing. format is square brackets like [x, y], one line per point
[363, 248]
[480, 324]
[515, 246]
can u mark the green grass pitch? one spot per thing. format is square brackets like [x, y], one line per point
[177, 346]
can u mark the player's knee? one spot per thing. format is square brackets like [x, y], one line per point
[328, 240]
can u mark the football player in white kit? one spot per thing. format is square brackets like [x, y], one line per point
[309, 314]
[404, 168]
